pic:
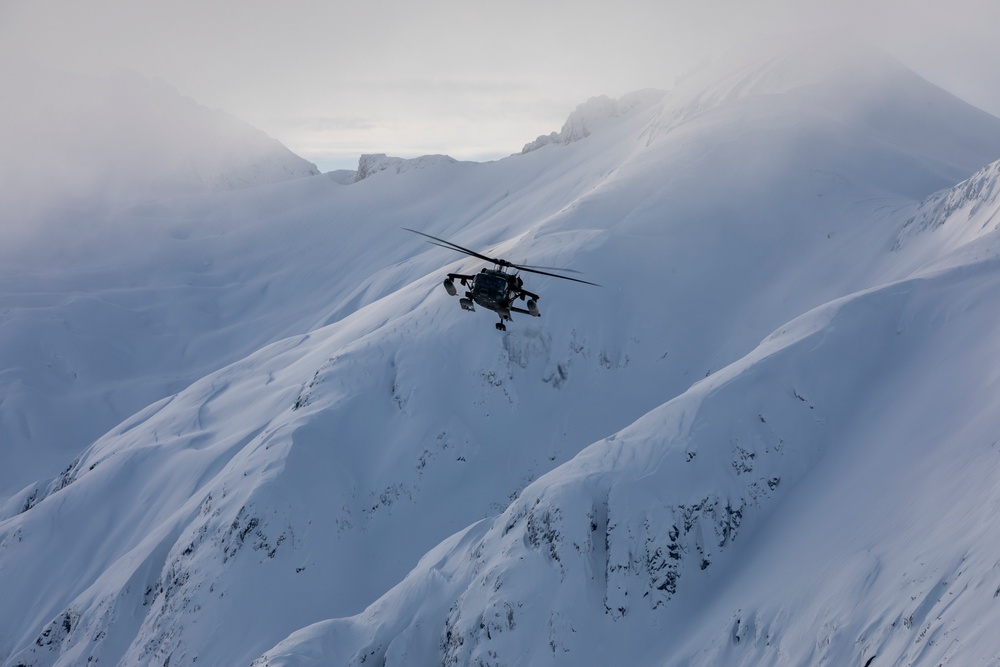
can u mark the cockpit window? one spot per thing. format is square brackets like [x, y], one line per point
[491, 284]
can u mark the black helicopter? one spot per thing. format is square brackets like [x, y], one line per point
[495, 289]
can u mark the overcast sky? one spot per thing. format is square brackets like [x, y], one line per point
[473, 79]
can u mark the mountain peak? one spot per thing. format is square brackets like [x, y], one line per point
[962, 213]
[373, 163]
[592, 113]
[788, 62]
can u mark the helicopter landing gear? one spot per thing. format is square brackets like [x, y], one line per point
[466, 304]
[501, 326]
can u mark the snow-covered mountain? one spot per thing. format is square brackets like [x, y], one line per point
[87, 249]
[768, 439]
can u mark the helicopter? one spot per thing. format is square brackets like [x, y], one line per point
[496, 289]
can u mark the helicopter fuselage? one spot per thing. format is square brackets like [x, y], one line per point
[496, 290]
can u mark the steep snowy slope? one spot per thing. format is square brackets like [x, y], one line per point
[304, 480]
[828, 499]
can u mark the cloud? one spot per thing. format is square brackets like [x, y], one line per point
[513, 69]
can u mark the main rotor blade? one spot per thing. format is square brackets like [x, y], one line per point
[556, 275]
[454, 246]
[502, 262]
[532, 267]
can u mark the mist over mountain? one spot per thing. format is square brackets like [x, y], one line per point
[249, 426]
[78, 138]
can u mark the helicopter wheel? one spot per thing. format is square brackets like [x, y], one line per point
[500, 326]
